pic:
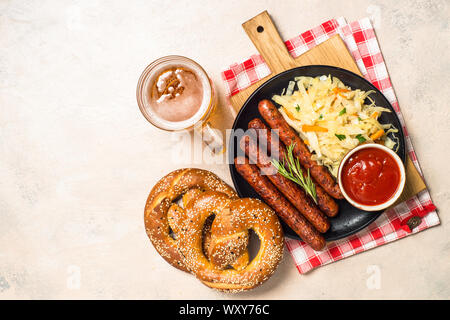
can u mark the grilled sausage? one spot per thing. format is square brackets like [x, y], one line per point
[276, 121]
[289, 189]
[284, 209]
[324, 200]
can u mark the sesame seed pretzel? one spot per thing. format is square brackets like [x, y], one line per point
[162, 215]
[233, 218]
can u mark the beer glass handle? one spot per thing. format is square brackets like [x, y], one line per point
[211, 137]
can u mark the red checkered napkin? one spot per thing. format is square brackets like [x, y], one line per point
[361, 41]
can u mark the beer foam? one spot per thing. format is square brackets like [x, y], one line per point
[161, 71]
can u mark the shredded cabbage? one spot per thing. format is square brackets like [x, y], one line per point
[328, 105]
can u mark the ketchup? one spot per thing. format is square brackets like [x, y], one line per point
[370, 176]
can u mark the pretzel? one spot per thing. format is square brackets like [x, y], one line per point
[162, 215]
[233, 218]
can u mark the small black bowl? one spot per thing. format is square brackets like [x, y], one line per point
[350, 219]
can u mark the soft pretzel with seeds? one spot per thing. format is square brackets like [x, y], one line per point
[233, 218]
[163, 216]
[215, 252]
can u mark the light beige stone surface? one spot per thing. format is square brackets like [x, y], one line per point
[78, 159]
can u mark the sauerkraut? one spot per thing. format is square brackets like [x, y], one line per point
[331, 118]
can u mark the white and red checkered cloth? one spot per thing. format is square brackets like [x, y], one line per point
[361, 41]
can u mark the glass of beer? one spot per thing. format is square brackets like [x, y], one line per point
[174, 93]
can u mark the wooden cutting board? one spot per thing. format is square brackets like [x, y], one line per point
[332, 52]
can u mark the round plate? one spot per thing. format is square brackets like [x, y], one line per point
[350, 219]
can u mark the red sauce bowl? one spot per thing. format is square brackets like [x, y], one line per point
[371, 177]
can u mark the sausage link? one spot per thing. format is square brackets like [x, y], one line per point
[284, 209]
[321, 174]
[325, 202]
[289, 189]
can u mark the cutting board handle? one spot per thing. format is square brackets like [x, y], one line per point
[267, 40]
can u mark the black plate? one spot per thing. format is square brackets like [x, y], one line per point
[350, 219]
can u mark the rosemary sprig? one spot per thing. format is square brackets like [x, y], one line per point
[290, 168]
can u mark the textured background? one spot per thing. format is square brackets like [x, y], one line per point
[78, 159]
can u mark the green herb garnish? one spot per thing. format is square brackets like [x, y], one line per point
[360, 138]
[359, 118]
[342, 112]
[321, 117]
[297, 107]
[290, 168]
[340, 136]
